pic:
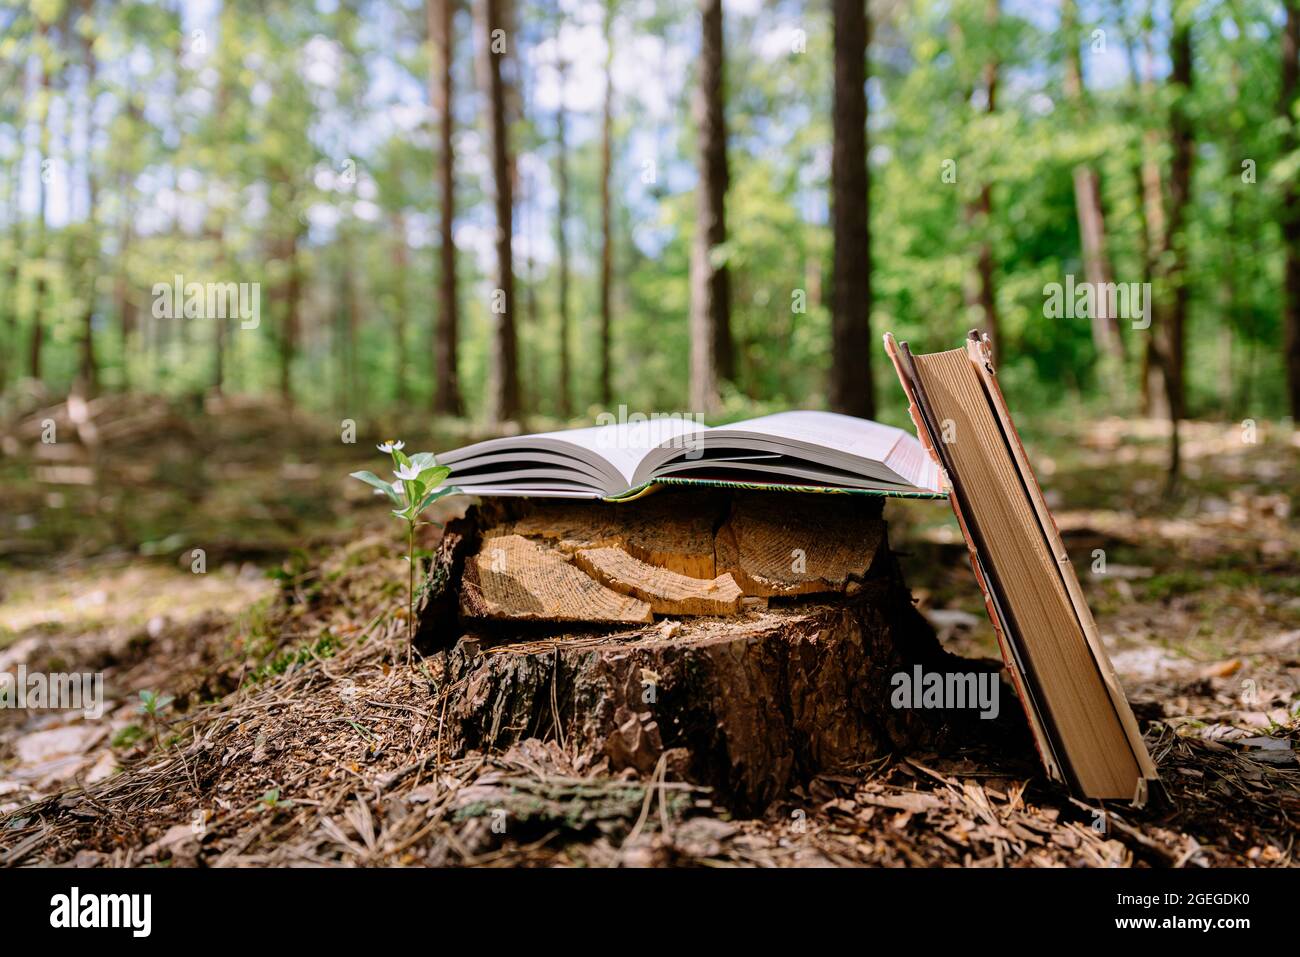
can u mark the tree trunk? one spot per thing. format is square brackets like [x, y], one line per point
[222, 332]
[1174, 274]
[1236, 272]
[532, 388]
[562, 243]
[400, 390]
[356, 382]
[12, 271]
[1291, 207]
[1154, 392]
[1087, 199]
[641, 636]
[36, 343]
[88, 374]
[503, 378]
[711, 350]
[289, 331]
[980, 213]
[606, 224]
[851, 346]
[446, 391]
[126, 317]
[125, 307]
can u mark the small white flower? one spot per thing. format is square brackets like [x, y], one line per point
[397, 487]
[391, 445]
[408, 472]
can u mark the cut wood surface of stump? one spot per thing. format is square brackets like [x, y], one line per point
[668, 592]
[514, 579]
[741, 640]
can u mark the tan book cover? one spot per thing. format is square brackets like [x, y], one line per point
[1080, 719]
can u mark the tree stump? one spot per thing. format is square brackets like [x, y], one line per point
[741, 640]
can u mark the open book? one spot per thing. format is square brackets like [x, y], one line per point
[797, 451]
[1080, 719]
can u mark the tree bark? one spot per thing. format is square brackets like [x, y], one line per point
[226, 18]
[1087, 199]
[851, 348]
[126, 317]
[1291, 207]
[12, 269]
[400, 389]
[88, 376]
[980, 213]
[604, 632]
[36, 343]
[1233, 380]
[710, 325]
[221, 334]
[503, 378]
[562, 243]
[532, 387]
[606, 224]
[1174, 273]
[122, 289]
[1154, 392]
[446, 391]
[356, 385]
[289, 331]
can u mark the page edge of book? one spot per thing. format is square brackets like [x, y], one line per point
[899, 354]
[977, 350]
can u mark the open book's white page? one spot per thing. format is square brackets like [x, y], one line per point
[883, 454]
[861, 438]
[812, 448]
[605, 456]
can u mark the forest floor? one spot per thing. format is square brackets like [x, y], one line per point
[290, 730]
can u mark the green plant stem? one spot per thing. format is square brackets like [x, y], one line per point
[410, 587]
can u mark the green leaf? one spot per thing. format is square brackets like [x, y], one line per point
[423, 461]
[436, 475]
[370, 478]
[434, 495]
[401, 458]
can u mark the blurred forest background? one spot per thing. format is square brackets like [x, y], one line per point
[519, 211]
[459, 217]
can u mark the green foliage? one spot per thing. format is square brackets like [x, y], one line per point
[415, 487]
[271, 801]
[153, 704]
[292, 150]
[277, 664]
[128, 736]
[415, 484]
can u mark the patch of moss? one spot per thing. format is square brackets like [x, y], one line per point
[324, 647]
[128, 736]
[1174, 584]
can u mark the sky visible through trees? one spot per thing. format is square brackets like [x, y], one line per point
[1014, 153]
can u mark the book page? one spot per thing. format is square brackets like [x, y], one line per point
[869, 450]
[624, 444]
[840, 433]
[613, 450]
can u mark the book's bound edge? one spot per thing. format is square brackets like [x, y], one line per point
[980, 353]
[925, 432]
[649, 487]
